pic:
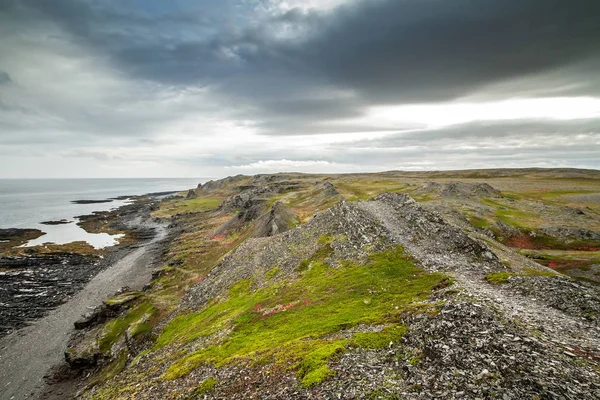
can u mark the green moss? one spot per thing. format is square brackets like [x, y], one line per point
[123, 298]
[416, 358]
[498, 278]
[285, 321]
[322, 253]
[479, 222]
[136, 318]
[313, 368]
[240, 288]
[206, 386]
[272, 273]
[325, 239]
[379, 340]
[112, 370]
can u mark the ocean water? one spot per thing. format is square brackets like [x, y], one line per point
[24, 203]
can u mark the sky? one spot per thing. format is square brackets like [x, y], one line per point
[211, 88]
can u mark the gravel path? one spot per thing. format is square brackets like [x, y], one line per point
[28, 354]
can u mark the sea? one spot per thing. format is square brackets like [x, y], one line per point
[25, 203]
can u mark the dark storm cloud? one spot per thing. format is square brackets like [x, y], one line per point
[384, 52]
[388, 50]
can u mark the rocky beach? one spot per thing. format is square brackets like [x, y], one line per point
[45, 289]
[35, 280]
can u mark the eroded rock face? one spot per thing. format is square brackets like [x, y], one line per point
[277, 220]
[246, 199]
[191, 194]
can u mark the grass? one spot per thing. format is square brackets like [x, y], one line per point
[206, 386]
[378, 340]
[272, 273]
[171, 207]
[135, 320]
[287, 321]
[498, 278]
[479, 222]
[363, 189]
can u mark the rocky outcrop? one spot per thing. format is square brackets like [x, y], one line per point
[277, 220]
[12, 237]
[58, 222]
[459, 190]
[572, 234]
[246, 200]
[211, 185]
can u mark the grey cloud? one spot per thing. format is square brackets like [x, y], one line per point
[385, 51]
[476, 133]
[301, 73]
[4, 78]
[389, 51]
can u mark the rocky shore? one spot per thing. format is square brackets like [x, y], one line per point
[35, 280]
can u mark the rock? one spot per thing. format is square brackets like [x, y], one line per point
[505, 230]
[211, 186]
[246, 200]
[59, 222]
[83, 352]
[191, 194]
[460, 190]
[572, 234]
[277, 220]
[91, 201]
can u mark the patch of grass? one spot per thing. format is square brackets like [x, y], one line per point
[136, 317]
[498, 278]
[378, 340]
[206, 386]
[320, 255]
[285, 321]
[363, 189]
[272, 273]
[479, 222]
[313, 368]
[325, 239]
[170, 207]
[122, 298]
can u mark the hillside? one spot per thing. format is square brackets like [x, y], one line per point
[459, 284]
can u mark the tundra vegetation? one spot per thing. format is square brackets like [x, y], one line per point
[300, 314]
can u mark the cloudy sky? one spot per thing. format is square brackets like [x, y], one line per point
[209, 88]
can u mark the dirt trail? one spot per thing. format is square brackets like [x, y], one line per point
[28, 354]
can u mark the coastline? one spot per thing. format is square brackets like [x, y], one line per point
[37, 279]
[42, 326]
